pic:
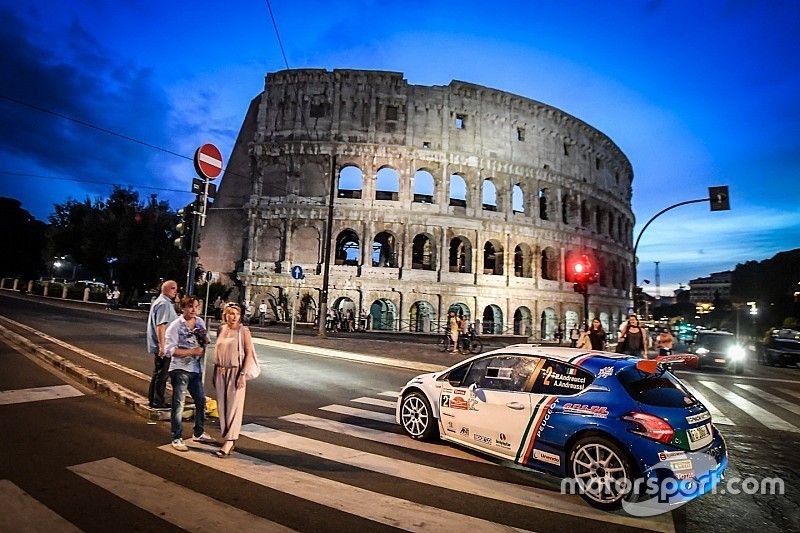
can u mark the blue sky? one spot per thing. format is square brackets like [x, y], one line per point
[694, 93]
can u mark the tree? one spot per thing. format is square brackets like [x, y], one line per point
[121, 240]
[23, 239]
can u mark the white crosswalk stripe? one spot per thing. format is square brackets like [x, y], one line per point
[487, 488]
[374, 401]
[777, 400]
[359, 413]
[8, 397]
[716, 415]
[796, 394]
[381, 508]
[390, 394]
[385, 437]
[761, 415]
[196, 512]
[23, 512]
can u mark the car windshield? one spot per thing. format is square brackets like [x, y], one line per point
[661, 389]
[715, 342]
[786, 344]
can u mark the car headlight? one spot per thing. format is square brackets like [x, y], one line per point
[702, 351]
[736, 353]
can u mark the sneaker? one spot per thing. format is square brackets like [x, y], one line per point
[205, 438]
[179, 445]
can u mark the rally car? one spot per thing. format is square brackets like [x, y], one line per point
[610, 423]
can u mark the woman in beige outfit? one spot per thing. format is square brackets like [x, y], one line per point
[234, 363]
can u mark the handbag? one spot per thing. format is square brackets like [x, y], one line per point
[620, 347]
[250, 367]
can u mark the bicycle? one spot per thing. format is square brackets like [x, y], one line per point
[469, 343]
[445, 343]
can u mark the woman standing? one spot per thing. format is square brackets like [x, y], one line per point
[597, 336]
[633, 339]
[234, 363]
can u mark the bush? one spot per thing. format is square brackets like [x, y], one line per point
[74, 292]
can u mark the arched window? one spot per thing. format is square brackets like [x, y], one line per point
[549, 264]
[492, 320]
[387, 184]
[422, 253]
[460, 255]
[384, 253]
[517, 199]
[350, 182]
[543, 204]
[489, 195]
[522, 261]
[493, 258]
[423, 187]
[458, 191]
[584, 214]
[347, 248]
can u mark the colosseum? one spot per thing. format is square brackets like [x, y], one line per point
[454, 197]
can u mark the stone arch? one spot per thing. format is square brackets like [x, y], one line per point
[492, 319]
[571, 319]
[549, 262]
[383, 314]
[584, 214]
[544, 206]
[306, 242]
[421, 316]
[523, 321]
[461, 309]
[387, 184]
[489, 195]
[307, 308]
[457, 190]
[422, 252]
[424, 187]
[517, 199]
[548, 323]
[270, 243]
[523, 259]
[348, 250]
[604, 321]
[351, 182]
[384, 250]
[460, 257]
[493, 258]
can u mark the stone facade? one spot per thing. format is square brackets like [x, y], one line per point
[446, 196]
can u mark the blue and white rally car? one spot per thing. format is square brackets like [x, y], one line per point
[611, 424]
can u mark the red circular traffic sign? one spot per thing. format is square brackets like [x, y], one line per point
[208, 161]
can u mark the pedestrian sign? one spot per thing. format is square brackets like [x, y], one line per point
[297, 272]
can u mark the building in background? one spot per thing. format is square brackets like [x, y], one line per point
[445, 197]
[716, 287]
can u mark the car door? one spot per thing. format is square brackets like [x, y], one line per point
[489, 409]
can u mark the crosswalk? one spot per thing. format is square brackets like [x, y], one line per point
[360, 435]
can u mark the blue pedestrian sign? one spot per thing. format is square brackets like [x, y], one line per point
[297, 272]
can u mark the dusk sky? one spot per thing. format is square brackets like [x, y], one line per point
[696, 94]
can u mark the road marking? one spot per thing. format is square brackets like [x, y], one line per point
[780, 402]
[466, 483]
[395, 512]
[177, 505]
[762, 416]
[390, 394]
[23, 512]
[375, 401]
[360, 413]
[716, 415]
[385, 437]
[754, 378]
[38, 394]
[796, 394]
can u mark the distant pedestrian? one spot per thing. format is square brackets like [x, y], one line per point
[218, 308]
[351, 321]
[234, 363]
[115, 294]
[559, 334]
[664, 342]
[262, 313]
[162, 313]
[596, 335]
[574, 335]
[186, 341]
[453, 328]
[634, 339]
[108, 299]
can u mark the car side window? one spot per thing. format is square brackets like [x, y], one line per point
[501, 372]
[561, 379]
[456, 376]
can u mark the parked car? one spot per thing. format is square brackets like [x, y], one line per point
[146, 299]
[718, 349]
[782, 348]
[600, 420]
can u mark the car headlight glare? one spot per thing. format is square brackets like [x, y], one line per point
[736, 353]
[702, 351]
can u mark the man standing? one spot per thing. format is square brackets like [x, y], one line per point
[186, 341]
[162, 313]
[262, 313]
[574, 335]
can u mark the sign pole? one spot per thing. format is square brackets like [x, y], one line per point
[294, 305]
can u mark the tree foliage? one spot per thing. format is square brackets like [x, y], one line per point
[121, 240]
[23, 239]
[772, 283]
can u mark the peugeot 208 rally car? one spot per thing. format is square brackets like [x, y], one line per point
[605, 421]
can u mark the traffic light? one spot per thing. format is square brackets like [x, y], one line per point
[185, 226]
[582, 272]
[718, 198]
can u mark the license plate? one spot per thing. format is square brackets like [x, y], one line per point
[719, 360]
[696, 434]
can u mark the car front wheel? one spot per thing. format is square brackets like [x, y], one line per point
[416, 417]
[603, 472]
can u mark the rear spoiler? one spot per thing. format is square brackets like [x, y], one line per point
[651, 366]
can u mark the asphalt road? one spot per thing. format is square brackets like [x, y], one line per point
[320, 452]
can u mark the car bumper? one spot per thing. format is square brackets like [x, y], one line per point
[718, 360]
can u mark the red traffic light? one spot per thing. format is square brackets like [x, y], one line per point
[582, 270]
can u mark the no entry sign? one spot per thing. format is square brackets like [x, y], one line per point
[208, 161]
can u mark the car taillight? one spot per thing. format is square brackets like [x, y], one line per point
[650, 426]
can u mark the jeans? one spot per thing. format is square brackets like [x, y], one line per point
[158, 384]
[183, 381]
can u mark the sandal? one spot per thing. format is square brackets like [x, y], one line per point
[222, 455]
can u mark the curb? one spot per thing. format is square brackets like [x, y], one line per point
[118, 393]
